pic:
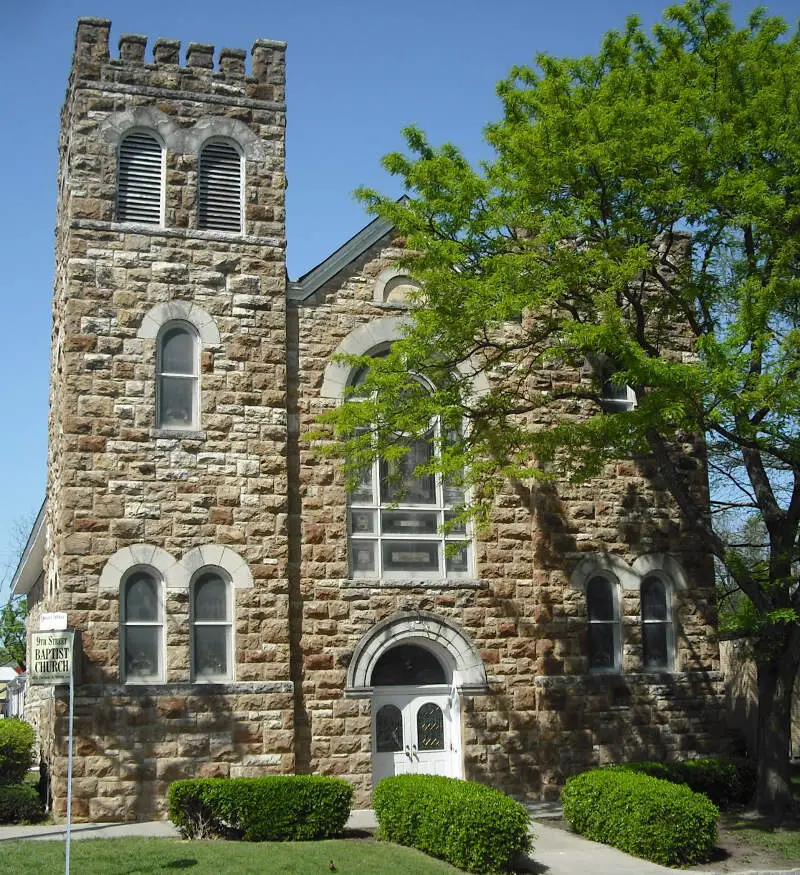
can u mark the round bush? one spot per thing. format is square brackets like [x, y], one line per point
[641, 815]
[20, 803]
[270, 809]
[16, 750]
[474, 827]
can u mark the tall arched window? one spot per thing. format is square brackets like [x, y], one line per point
[220, 198]
[178, 377]
[142, 627]
[657, 634]
[602, 609]
[212, 638]
[140, 179]
[396, 516]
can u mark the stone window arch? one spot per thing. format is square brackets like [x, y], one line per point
[394, 286]
[180, 324]
[458, 656]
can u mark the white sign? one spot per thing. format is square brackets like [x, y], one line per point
[52, 657]
[54, 621]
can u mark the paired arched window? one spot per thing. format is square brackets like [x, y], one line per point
[141, 162]
[212, 627]
[605, 629]
[396, 516]
[140, 179]
[178, 377]
[142, 627]
[602, 607]
[657, 633]
[220, 190]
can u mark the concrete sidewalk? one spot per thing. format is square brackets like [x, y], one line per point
[556, 851]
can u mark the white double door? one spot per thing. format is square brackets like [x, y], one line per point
[416, 730]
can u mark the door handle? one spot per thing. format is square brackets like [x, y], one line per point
[408, 752]
[414, 750]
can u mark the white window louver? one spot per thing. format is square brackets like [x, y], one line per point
[139, 182]
[220, 201]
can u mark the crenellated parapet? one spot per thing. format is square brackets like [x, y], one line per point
[203, 68]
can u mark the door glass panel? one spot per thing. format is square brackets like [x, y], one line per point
[430, 727]
[409, 522]
[388, 730]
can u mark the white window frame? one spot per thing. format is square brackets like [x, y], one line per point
[614, 622]
[377, 506]
[221, 141]
[125, 624]
[190, 329]
[669, 623]
[162, 181]
[227, 623]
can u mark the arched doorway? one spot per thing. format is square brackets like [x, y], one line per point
[416, 725]
[415, 668]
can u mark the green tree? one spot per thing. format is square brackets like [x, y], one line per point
[12, 633]
[640, 213]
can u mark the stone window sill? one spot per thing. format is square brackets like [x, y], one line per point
[178, 433]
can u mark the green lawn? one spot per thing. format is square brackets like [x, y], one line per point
[139, 856]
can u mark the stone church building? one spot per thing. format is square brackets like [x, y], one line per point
[239, 612]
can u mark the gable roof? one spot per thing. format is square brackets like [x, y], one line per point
[311, 281]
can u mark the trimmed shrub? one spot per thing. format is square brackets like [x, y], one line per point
[644, 816]
[20, 803]
[16, 750]
[726, 781]
[474, 827]
[276, 808]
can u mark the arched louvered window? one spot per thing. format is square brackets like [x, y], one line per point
[178, 379]
[220, 193]
[140, 179]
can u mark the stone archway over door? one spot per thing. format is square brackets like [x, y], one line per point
[414, 667]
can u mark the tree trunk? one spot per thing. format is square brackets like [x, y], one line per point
[775, 685]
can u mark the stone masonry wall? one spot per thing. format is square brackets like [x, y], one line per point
[545, 716]
[114, 480]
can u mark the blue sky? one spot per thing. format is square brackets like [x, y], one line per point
[358, 71]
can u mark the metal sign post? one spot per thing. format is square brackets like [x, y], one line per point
[53, 649]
